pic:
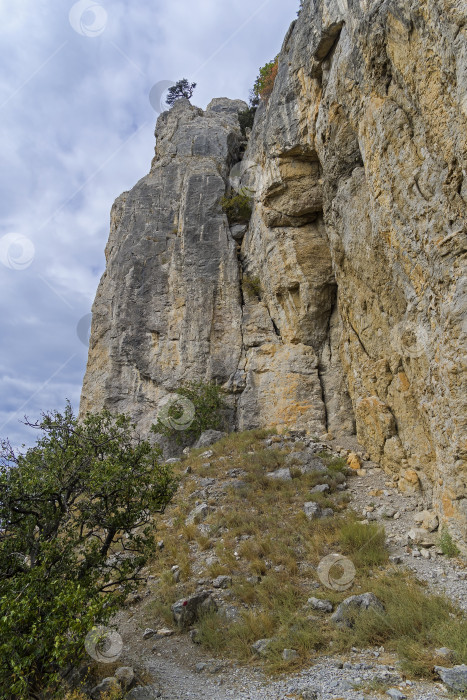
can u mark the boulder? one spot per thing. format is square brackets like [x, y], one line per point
[187, 610]
[289, 654]
[222, 582]
[427, 519]
[261, 646]
[320, 488]
[409, 482]
[312, 510]
[125, 675]
[354, 461]
[198, 514]
[455, 678]
[395, 694]
[355, 604]
[323, 605]
[282, 474]
[238, 231]
[107, 685]
[209, 437]
[420, 536]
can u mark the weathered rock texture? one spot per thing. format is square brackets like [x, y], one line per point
[358, 239]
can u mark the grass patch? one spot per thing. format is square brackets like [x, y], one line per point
[413, 625]
[258, 533]
[364, 544]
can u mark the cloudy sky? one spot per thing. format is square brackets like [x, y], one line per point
[76, 129]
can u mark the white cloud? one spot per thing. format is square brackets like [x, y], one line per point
[76, 130]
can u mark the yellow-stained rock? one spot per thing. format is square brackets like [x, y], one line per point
[354, 461]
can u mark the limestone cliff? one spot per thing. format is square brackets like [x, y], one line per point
[357, 166]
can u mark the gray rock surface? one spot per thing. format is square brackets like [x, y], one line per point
[106, 685]
[209, 437]
[318, 604]
[125, 675]
[187, 610]
[261, 646]
[312, 510]
[455, 678]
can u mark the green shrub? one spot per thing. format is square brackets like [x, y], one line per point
[75, 512]
[208, 408]
[238, 207]
[446, 543]
[252, 286]
[246, 118]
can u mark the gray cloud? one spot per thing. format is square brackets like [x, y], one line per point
[76, 129]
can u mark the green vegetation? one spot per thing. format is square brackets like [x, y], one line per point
[76, 511]
[414, 624]
[181, 89]
[264, 83]
[238, 207]
[252, 286]
[246, 118]
[273, 564]
[201, 407]
[364, 544]
[446, 544]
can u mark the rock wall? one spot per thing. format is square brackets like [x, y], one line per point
[357, 167]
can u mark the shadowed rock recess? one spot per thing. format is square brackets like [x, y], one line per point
[357, 320]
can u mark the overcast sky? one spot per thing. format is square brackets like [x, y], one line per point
[76, 130]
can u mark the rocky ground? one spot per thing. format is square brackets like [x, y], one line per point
[169, 665]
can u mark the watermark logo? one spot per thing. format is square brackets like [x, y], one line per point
[336, 572]
[244, 178]
[103, 644]
[83, 329]
[88, 18]
[158, 95]
[410, 339]
[16, 251]
[176, 412]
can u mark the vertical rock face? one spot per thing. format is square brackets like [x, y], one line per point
[168, 306]
[359, 225]
[344, 305]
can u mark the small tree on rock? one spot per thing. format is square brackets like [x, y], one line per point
[181, 89]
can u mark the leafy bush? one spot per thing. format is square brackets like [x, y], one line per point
[446, 544]
[75, 511]
[264, 83]
[252, 286]
[181, 89]
[208, 404]
[238, 207]
[246, 118]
